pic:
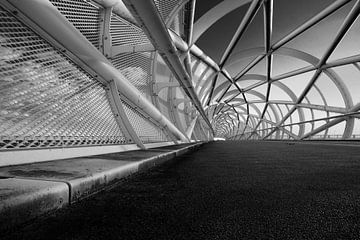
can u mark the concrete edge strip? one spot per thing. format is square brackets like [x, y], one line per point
[43, 198]
[43, 179]
[88, 186]
[109, 177]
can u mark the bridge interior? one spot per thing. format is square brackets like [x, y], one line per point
[224, 190]
[82, 78]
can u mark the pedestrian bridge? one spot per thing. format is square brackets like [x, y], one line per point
[224, 190]
[151, 80]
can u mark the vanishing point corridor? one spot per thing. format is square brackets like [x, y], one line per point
[225, 190]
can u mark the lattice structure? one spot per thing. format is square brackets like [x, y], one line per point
[46, 100]
[146, 130]
[279, 84]
[85, 17]
[136, 67]
[297, 83]
[125, 33]
[166, 7]
[57, 91]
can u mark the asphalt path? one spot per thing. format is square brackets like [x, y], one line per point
[225, 190]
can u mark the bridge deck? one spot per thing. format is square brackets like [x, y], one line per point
[225, 190]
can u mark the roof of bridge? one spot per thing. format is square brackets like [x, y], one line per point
[294, 65]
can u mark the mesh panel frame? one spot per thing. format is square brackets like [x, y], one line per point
[83, 15]
[45, 99]
[136, 67]
[164, 108]
[165, 7]
[125, 33]
[147, 131]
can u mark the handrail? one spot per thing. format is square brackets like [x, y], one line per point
[49, 19]
[151, 22]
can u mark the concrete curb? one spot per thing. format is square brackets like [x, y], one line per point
[31, 199]
[29, 191]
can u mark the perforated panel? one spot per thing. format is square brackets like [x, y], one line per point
[124, 33]
[45, 100]
[165, 7]
[136, 67]
[146, 130]
[83, 15]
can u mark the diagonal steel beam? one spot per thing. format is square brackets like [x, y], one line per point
[311, 22]
[249, 67]
[149, 18]
[268, 25]
[58, 30]
[347, 23]
[245, 22]
[190, 27]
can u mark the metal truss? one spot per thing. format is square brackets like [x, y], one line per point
[112, 74]
[129, 96]
[267, 118]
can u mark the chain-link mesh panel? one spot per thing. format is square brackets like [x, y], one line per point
[173, 26]
[124, 33]
[45, 100]
[83, 15]
[145, 129]
[179, 21]
[163, 101]
[136, 67]
[199, 132]
[182, 118]
[205, 127]
[177, 24]
[165, 7]
[164, 107]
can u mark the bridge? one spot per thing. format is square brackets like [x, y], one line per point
[251, 96]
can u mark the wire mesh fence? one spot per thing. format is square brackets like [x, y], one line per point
[48, 100]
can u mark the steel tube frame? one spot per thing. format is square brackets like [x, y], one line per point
[245, 22]
[311, 22]
[191, 22]
[190, 129]
[312, 60]
[148, 16]
[349, 20]
[48, 18]
[121, 116]
[323, 127]
[268, 25]
[323, 14]
[119, 8]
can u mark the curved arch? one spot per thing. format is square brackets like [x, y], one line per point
[290, 52]
[174, 12]
[284, 51]
[262, 78]
[213, 15]
[313, 61]
[224, 8]
[262, 96]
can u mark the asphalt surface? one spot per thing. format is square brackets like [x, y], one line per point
[225, 190]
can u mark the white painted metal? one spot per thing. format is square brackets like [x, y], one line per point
[121, 116]
[153, 25]
[45, 15]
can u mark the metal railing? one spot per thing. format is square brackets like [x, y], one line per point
[75, 80]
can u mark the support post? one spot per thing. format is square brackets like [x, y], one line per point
[120, 115]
